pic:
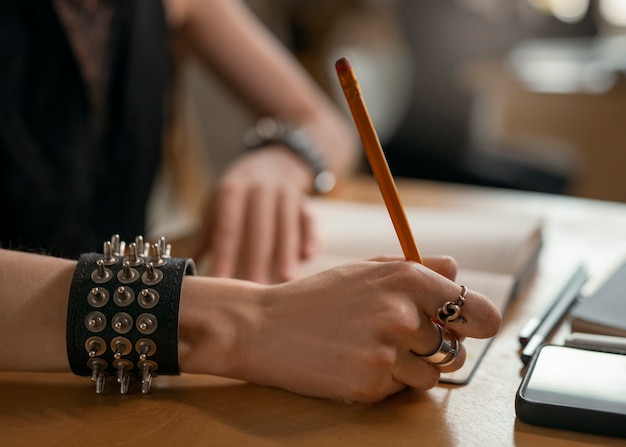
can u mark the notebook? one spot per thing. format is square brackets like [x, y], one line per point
[603, 309]
[496, 253]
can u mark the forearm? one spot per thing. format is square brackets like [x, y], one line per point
[214, 314]
[229, 39]
[33, 298]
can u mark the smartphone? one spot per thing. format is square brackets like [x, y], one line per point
[574, 389]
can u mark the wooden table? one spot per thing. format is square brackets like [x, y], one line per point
[60, 409]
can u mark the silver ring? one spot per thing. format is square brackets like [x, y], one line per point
[450, 312]
[447, 351]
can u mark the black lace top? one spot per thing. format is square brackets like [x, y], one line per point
[82, 100]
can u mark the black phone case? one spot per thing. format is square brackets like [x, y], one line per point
[568, 417]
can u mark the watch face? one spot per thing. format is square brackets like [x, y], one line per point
[324, 182]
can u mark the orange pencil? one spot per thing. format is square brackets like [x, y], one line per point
[376, 159]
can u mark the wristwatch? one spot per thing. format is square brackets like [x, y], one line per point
[275, 131]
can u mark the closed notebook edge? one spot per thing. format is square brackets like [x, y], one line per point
[603, 309]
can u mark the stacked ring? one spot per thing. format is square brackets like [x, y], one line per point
[447, 351]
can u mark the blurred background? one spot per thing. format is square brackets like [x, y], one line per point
[520, 94]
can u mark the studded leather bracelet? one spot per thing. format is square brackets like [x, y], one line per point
[122, 319]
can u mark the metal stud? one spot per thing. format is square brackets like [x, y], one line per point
[147, 373]
[98, 366]
[141, 248]
[123, 296]
[123, 378]
[152, 275]
[122, 322]
[146, 323]
[156, 254]
[115, 244]
[165, 250]
[120, 346]
[148, 298]
[101, 274]
[145, 347]
[133, 255]
[98, 297]
[95, 321]
[95, 346]
[128, 274]
[107, 254]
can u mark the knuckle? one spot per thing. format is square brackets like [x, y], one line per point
[373, 378]
[429, 378]
[229, 187]
[449, 267]
[372, 389]
[381, 359]
[405, 272]
[401, 317]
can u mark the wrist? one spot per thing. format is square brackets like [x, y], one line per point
[217, 316]
[271, 131]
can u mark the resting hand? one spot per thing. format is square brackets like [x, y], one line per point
[258, 225]
[353, 333]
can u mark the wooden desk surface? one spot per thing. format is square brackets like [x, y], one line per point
[60, 409]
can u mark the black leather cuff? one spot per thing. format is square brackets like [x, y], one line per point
[122, 317]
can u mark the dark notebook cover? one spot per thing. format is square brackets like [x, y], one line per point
[603, 311]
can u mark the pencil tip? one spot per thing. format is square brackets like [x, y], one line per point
[343, 65]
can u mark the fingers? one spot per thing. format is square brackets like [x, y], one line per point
[260, 233]
[428, 340]
[414, 371]
[422, 347]
[447, 354]
[225, 229]
[243, 232]
[288, 238]
[444, 265]
[309, 233]
[480, 318]
[297, 234]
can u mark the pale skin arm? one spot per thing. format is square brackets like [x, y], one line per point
[349, 333]
[268, 187]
